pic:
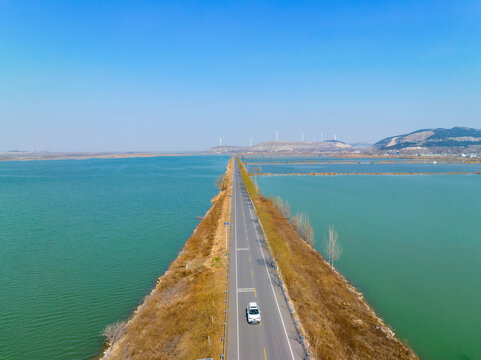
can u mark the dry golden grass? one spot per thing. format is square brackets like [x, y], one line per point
[175, 320]
[338, 323]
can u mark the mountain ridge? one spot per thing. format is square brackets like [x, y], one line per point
[442, 138]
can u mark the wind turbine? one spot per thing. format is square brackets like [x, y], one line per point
[250, 142]
[302, 136]
[220, 141]
[277, 135]
[322, 137]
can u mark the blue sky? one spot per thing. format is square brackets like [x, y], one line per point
[176, 75]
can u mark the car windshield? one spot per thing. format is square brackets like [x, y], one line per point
[253, 311]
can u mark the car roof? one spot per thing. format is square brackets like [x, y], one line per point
[253, 305]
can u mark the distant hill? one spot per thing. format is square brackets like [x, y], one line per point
[438, 139]
[286, 147]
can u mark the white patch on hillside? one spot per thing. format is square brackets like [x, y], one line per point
[393, 141]
[464, 138]
[419, 136]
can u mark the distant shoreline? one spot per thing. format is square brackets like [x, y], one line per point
[314, 158]
[85, 156]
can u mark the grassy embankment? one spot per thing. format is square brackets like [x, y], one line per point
[337, 321]
[185, 310]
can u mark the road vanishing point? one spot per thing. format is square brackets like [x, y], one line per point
[252, 278]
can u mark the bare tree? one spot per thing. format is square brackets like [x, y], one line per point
[256, 185]
[303, 226]
[286, 209]
[113, 332]
[281, 205]
[332, 247]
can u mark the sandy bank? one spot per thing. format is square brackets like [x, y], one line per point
[81, 156]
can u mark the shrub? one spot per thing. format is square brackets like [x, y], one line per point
[113, 332]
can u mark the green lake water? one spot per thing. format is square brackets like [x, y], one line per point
[412, 245]
[82, 242]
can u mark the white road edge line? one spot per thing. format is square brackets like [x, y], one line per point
[235, 246]
[272, 286]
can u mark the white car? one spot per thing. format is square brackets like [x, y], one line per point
[253, 313]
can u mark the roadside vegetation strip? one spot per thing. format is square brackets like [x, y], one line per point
[339, 324]
[182, 318]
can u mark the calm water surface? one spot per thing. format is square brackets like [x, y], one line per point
[412, 244]
[82, 242]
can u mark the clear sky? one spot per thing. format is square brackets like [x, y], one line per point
[176, 75]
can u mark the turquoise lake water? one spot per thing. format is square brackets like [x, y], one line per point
[412, 245]
[82, 242]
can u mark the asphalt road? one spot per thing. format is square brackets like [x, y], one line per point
[252, 279]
